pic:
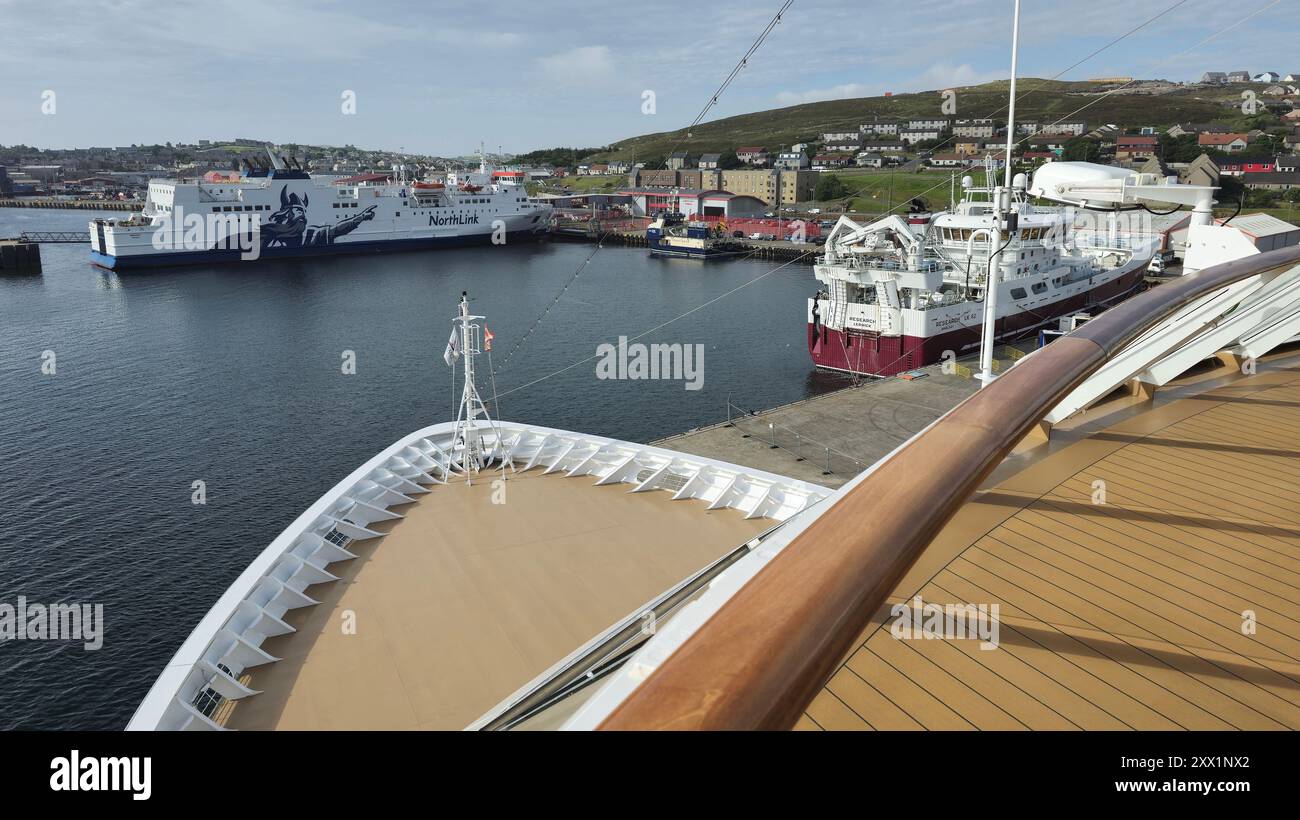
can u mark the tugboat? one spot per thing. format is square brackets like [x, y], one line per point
[691, 240]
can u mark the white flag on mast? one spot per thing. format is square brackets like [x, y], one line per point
[452, 353]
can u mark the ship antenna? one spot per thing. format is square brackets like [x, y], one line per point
[1004, 222]
[469, 454]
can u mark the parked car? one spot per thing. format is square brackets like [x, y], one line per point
[737, 234]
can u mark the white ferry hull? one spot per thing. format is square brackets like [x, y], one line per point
[297, 216]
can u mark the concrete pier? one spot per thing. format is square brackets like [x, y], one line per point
[829, 439]
[17, 256]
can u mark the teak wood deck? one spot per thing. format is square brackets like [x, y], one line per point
[464, 601]
[1126, 614]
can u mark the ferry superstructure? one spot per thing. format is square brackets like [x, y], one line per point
[903, 290]
[283, 212]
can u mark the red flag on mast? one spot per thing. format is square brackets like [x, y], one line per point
[488, 336]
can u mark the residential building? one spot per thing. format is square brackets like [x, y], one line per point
[709, 162]
[1287, 163]
[1268, 77]
[869, 160]
[753, 155]
[950, 160]
[1238, 166]
[676, 160]
[886, 146]
[1025, 127]
[1273, 181]
[974, 128]
[940, 124]
[1131, 147]
[767, 185]
[879, 126]
[792, 161]
[843, 145]
[1214, 77]
[912, 136]
[1238, 76]
[1294, 77]
[1228, 143]
[1200, 171]
[826, 162]
[1043, 141]
[1076, 128]
[1185, 128]
[841, 136]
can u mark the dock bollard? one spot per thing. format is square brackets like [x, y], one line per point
[828, 462]
[772, 429]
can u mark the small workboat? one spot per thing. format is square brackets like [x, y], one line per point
[693, 240]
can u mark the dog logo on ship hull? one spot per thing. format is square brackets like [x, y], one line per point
[288, 228]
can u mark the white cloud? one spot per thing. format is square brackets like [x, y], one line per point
[582, 66]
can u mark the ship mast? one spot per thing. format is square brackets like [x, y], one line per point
[469, 454]
[1004, 221]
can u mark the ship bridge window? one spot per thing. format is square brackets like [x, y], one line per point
[1018, 293]
[1039, 287]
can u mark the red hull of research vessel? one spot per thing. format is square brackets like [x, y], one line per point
[875, 355]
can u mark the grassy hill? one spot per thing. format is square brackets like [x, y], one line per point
[1145, 104]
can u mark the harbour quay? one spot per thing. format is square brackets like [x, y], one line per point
[18, 256]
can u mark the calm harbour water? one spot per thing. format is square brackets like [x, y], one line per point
[231, 374]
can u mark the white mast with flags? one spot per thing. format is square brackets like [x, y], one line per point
[469, 453]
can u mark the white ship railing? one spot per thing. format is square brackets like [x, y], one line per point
[205, 672]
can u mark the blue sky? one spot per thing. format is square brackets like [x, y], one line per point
[437, 77]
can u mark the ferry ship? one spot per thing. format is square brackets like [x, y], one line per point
[903, 290]
[280, 211]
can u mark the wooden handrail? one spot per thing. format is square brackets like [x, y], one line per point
[762, 657]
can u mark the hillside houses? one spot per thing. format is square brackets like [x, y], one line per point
[1228, 143]
[974, 128]
[911, 136]
[1135, 147]
[879, 127]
